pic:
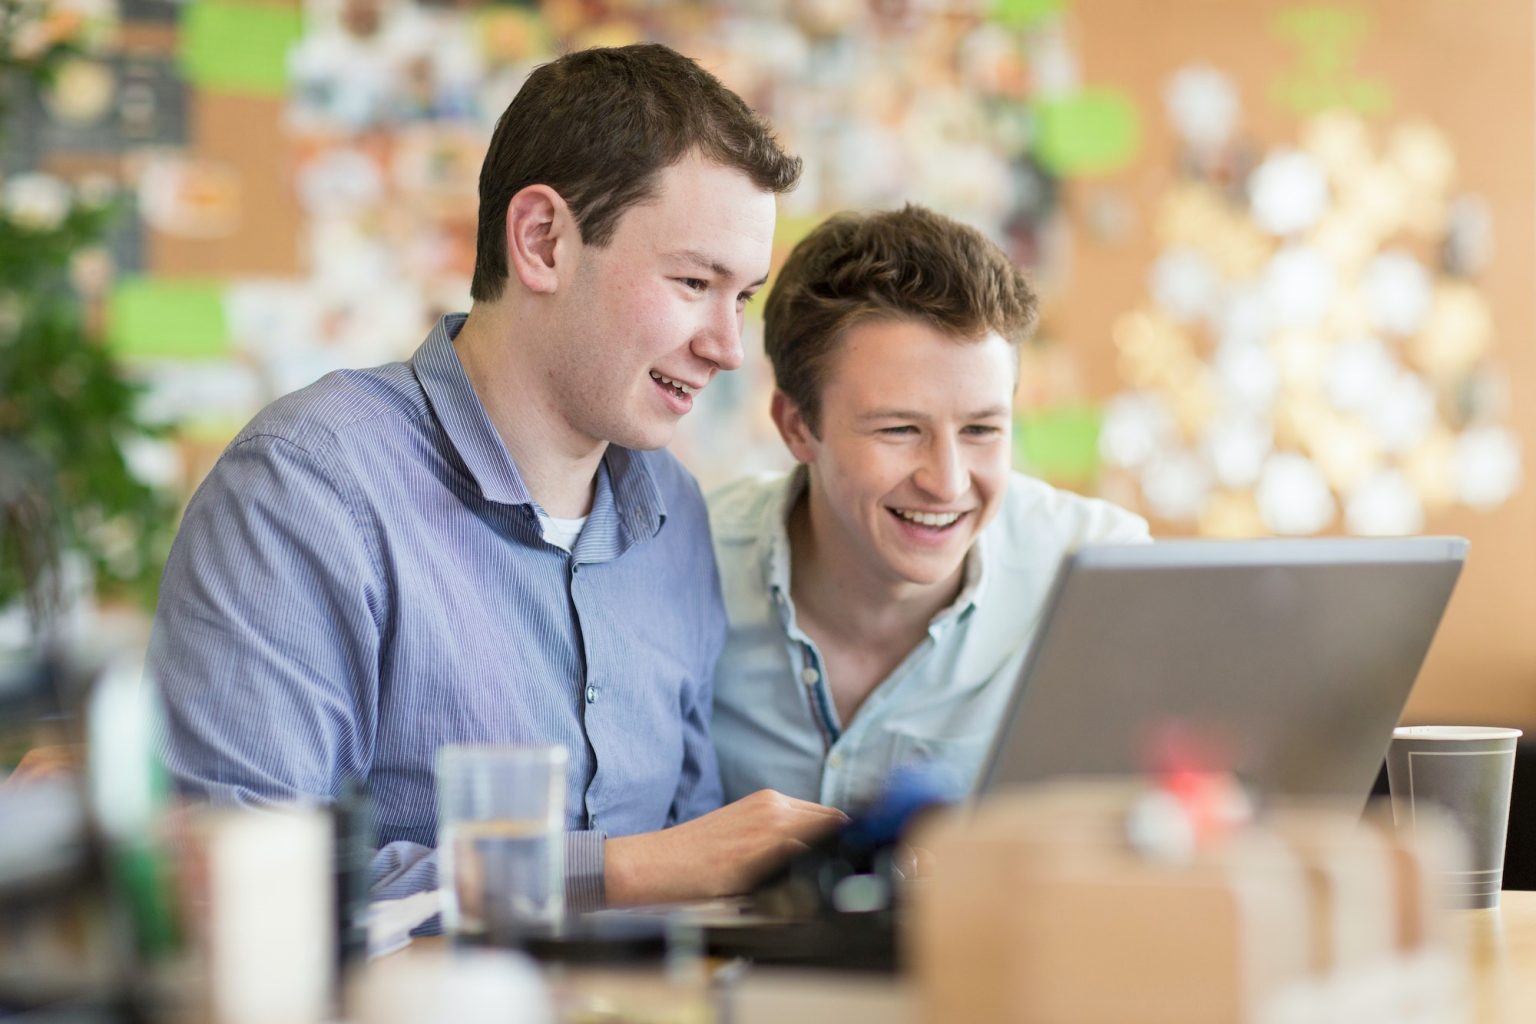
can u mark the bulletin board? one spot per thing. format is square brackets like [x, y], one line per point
[1284, 249]
[1367, 169]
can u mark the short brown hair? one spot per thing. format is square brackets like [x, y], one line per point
[598, 126]
[907, 264]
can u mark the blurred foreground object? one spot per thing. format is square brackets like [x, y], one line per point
[119, 905]
[263, 925]
[1041, 908]
[473, 986]
[87, 912]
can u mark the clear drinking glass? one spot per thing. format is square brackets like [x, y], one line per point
[501, 839]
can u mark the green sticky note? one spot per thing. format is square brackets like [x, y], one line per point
[1059, 444]
[149, 318]
[1328, 39]
[1092, 132]
[1025, 13]
[233, 47]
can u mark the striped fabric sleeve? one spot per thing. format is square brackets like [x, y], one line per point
[584, 872]
[404, 869]
[265, 644]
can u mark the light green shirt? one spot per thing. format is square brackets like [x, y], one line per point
[774, 723]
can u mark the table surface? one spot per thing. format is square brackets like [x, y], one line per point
[1501, 946]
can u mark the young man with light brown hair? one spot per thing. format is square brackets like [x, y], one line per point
[881, 596]
[486, 544]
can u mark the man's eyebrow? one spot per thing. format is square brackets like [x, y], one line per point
[710, 263]
[990, 412]
[892, 414]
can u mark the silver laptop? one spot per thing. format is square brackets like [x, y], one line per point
[1287, 661]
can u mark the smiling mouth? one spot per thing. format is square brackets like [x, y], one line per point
[678, 387]
[934, 521]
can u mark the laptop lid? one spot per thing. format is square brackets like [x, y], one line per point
[1287, 661]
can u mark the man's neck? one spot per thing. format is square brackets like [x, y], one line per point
[558, 467]
[839, 598]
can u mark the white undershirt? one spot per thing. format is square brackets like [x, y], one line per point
[562, 533]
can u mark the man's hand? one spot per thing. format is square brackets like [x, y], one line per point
[722, 853]
[40, 763]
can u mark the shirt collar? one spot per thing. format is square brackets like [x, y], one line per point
[972, 585]
[463, 418]
[775, 532]
[776, 555]
[635, 494]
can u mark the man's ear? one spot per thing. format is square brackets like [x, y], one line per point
[796, 432]
[540, 230]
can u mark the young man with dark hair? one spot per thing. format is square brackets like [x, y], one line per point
[881, 595]
[484, 544]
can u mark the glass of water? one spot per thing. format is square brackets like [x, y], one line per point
[501, 839]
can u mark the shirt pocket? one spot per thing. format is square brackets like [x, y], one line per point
[955, 761]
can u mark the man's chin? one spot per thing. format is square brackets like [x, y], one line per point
[646, 439]
[924, 572]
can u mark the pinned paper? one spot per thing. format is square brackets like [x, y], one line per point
[1487, 466]
[1327, 39]
[1203, 106]
[1293, 497]
[1186, 284]
[1397, 289]
[164, 319]
[1026, 13]
[1137, 426]
[1359, 371]
[81, 92]
[236, 47]
[1299, 284]
[190, 198]
[1289, 192]
[1177, 487]
[1384, 504]
[1236, 447]
[1059, 444]
[1094, 132]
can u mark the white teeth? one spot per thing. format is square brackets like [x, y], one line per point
[928, 518]
[684, 388]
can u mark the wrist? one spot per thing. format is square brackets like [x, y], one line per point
[620, 875]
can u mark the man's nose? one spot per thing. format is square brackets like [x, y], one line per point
[720, 341]
[943, 473]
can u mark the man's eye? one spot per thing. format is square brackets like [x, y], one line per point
[983, 430]
[895, 431]
[694, 284]
[745, 297]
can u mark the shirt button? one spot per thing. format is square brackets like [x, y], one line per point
[809, 676]
[591, 695]
[834, 760]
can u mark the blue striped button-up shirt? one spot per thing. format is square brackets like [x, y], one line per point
[362, 578]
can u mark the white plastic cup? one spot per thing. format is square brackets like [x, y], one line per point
[1466, 772]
